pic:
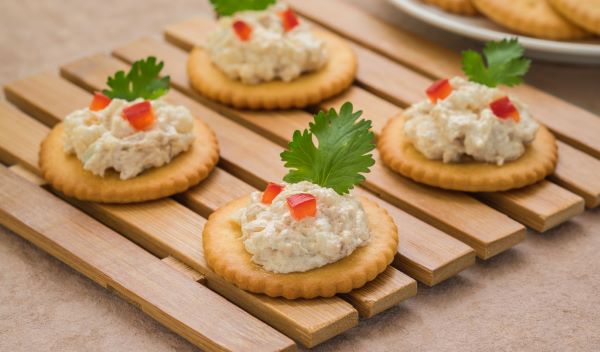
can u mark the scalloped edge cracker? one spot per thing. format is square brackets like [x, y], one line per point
[308, 89]
[226, 255]
[66, 173]
[398, 153]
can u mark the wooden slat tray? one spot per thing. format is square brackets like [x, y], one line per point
[151, 253]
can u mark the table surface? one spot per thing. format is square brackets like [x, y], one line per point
[540, 295]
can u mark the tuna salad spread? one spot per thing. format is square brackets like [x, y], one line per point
[301, 226]
[261, 46]
[471, 121]
[128, 137]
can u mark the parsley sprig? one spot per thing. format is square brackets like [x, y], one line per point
[142, 81]
[341, 156]
[505, 63]
[229, 7]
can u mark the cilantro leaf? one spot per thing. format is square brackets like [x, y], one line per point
[229, 7]
[341, 156]
[142, 81]
[505, 63]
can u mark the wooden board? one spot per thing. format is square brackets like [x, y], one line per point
[572, 124]
[454, 255]
[421, 201]
[115, 263]
[165, 227]
[527, 206]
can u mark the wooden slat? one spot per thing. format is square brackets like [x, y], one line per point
[488, 237]
[572, 124]
[184, 269]
[104, 256]
[384, 289]
[25, 173]
[165, 227]
[429, 266]
[544, 205]
[578, 172]
[18, 150]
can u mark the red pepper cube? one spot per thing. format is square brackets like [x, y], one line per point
[289, 20]
[504, 109]
[99, 102]
[439, 90]
[242, 30]
[271, 191]
[302, 205]
[140, 115]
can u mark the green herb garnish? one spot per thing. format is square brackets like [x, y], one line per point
[342, 154]
[229, 7]
[505, 63]
[142, 81]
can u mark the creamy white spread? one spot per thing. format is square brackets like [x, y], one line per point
[271, 53]
[105, 140]
[282, 244]
[463, 125]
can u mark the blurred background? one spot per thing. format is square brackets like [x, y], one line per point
[38, 35]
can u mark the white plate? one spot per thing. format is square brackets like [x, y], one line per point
[480, 28]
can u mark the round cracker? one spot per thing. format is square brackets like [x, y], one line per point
[585, 14]
[66, 173]
[399, 154]
[226, 255]
[308, 89]
[459, 7]
[530, 17]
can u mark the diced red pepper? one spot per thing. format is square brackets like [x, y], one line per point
[289, 20]
[439, 90]
[140, 115]
[272, 190]
[504, 109]
[242, 30]
[99, 102]
[302, 205]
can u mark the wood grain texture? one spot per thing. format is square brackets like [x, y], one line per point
[25, 173]
[570, 123]
[455, 256]
[115, 263]
[373, 299]
[579, 173]
[184, 269]
[422, 201]
[544, 205]
[165, 227]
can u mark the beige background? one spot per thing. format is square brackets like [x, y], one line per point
[542, 295]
